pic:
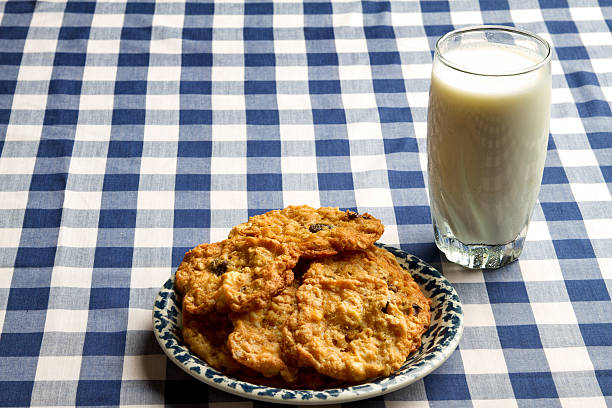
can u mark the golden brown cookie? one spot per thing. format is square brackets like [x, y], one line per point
[314, 232]
[239, 274]
[347, 328]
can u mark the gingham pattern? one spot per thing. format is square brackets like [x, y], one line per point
[130, 132]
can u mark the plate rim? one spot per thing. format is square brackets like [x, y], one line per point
[332, 395]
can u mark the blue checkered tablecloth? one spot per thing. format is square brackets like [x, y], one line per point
[133, 131]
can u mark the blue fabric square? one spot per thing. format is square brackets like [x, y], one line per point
[197, 34]
[74, 59]
[117, 219]
[392, 115]
[196, 87]
[191, 219]
[113, 257]
[554, 175]
[136, 33]
[373, 7]
[257, 34]
[524, 336]
[28, 299]
[7, 87]
[572, 53]
[335, 181]
[262, 117]
[124, 148]
[553, 4]
[263, 148]
[561, 211]
[42, 218]
[389, 86]
[435, 6]
[98, 393]
[265, 182]
[13, 33]
[600, 140]
[74, 33]
[440, 387]
[198, 59]
[18, 7]
[318, 33]
[584, 290]
[16, 393]
[412, 215]
[320, 87]
[400, 145]
[139, 8]
[533, 385]
[196, 8]
[606, 171]
[385, 58]
[437, 30]
[178, 253]
[83, 7]
[317, 59]
[61, 117]
[64, 87]
[328, 116]
[130, 87]
[581, 78]
[604, 378]
[593, 108]
[195, 117]
[20, 345]
[493, 5]
[200, 148]
[35, 257]
[573, 249]
[10, 58]
[260, 87]
[317, 8]
[405, 179]
[332, 147]
[48, 182]
[258, 8]
[596, 334]
[252, 59]
[192, 182]
[379, 32]
[129, 116]
[109, 298]
[121, 182]
[136, 59]
[5, 114]
[55, 148]
[507, 292]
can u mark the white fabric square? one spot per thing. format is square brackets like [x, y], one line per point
[34, 72]
[368, 163]
[29, 102]
[163, 74]
[413, 44]
[103, 46]
[484, 361]
[218, 234]
[418, 99]
[168, 20]
[82, 200]
[149, 277]
[458, 274]
[566, 126]
[359, 101]
[17, 165]
[554, 313]
[288, 20]
[228, 165]
[296, 132]
[496, 403]
[599, 229]
[155, 200]
[354, 72]
[70, 277]
[158, 165]
[47, 19]
[6, 276]
[290, 46]
[364, 131]
[347, 20]
[107, 20]
[166, 46]
[359, 45]
[540, 270]
[93, 73]
[564, 359]
[219, 73]
[466, 18]
[58, 368]
[164, 102]
[291, 73]
[586, 14]
[228, 102]
[416, 71]
[390, 236]
[144, 367]
[38, 46]
[526, 15]
[161, 133]
[229, 132]
[9, 238]
[227, 46]
[96, 102]
[153, 237]
[590, 192]
[594, 39]
[601, 65]
[406, 19]
[228, 21]
[22, 133]
[605, 267]
[538, 231]
[220, 200]
[140, 319]
[69, 321]
[298, 165]
[77, 237]
[577, 158]
[562, 95]
[293, 101]
[307, 197]
[478, 315]
[582, 402]
[373, 197]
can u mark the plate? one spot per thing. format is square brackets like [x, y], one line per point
[438, 343]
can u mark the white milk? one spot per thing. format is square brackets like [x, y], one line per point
[487, 142]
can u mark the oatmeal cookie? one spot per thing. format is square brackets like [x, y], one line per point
[347, 328]
[314, 233]
[239, 274]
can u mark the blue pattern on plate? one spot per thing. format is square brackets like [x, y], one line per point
[438, 344]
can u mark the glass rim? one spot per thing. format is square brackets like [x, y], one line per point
[509, 29]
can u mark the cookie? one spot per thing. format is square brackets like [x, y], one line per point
[314, 232]
[347, 328]
[239, 274]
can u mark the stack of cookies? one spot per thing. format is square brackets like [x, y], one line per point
[301, 298]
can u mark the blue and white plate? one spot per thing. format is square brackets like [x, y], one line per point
[438, 344]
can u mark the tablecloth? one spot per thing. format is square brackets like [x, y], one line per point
[132, 131]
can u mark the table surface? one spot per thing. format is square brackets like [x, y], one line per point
[131, 132]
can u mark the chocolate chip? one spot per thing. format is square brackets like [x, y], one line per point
[386, 308]
[393, 288]
[318, 227]
[352, 214]
[218, 267]
[417, 309]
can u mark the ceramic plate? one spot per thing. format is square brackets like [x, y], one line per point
[438, 344]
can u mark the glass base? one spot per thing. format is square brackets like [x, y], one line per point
[479, 256]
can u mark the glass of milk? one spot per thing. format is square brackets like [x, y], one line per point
[487, 133]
